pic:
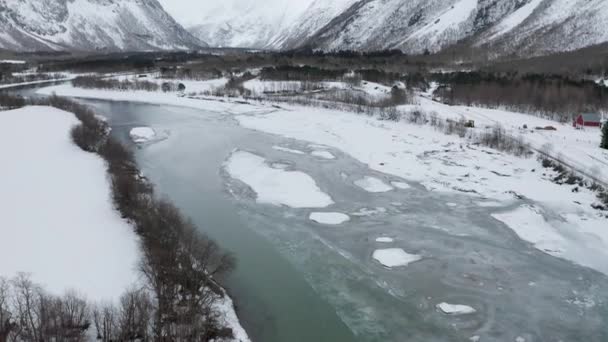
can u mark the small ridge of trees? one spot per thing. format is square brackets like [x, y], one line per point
[551, 96]
[94, 82]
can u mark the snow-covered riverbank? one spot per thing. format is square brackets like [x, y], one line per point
[58, 219]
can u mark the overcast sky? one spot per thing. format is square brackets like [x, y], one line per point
[190, 12]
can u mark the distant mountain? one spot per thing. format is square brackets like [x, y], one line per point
[89, 25]
[503, 27]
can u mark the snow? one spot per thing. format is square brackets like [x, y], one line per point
[141, 135]
[11, 61]
[455, 309]
[329, 218]
[450, 19]
[58, 220]
[447, 163]
[529, 223]
[294, 189]
[288, 150]
[401, 185]
[385, 240]
[322, 154]
[225, 306]
[515, 18]
[394, 257]
[373, 184]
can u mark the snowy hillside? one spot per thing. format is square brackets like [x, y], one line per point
[505, 26]
[90, 25]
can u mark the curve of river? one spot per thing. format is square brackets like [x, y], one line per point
[301, 281]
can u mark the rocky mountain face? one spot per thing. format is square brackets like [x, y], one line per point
[530, 27]
[90, 25]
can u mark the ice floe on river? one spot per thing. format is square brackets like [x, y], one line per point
[276, 186]
[329, 218]
[401, 185]
[373, 184]
[141, 135]
[385, 239]
[455, 309]
[395, 257]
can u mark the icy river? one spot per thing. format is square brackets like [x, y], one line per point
[300, 280]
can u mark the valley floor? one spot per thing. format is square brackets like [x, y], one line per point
[556, 219]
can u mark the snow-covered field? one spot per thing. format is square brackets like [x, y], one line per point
[58, 221]
[294, 189]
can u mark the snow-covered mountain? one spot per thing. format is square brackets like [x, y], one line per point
[88, 25]
[501, 26]
[525, 26]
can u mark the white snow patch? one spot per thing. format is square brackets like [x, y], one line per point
[530, 225]
[274, 186]
[329, 218]
[141, 135]
[225, 306]
[385, 239]
[373, 184]
[455, 309]
[401, 185]
[322, 154]
[288, 150]
[58, 221]
[515, 18]
[11, 61]
[395, 257]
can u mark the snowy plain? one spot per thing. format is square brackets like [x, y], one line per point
[59, 223]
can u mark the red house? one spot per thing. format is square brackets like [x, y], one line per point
[587, 120]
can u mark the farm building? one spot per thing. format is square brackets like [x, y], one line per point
[587, 120]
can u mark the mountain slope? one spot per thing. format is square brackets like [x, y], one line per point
[506, 26]
[87, 25]
[503, 27]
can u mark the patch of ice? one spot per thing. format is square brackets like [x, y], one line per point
[329, 218]
[279, 166]
[142, 135]
[394, 257]
[322, 154]
[530, 225]
[455, 309]
[225, 306]
[288, 150]
[474, 338]
[369, 212]
[274, 186]
[385, 239]
[520, 339]
[489, 204]
[451, 204]
[11, 61]
[401, 185]
[373, 184]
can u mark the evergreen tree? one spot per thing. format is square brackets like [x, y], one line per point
[604, 144]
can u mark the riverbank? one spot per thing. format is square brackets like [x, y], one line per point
[140, 212]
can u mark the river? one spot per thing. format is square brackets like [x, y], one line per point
[300, 281]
